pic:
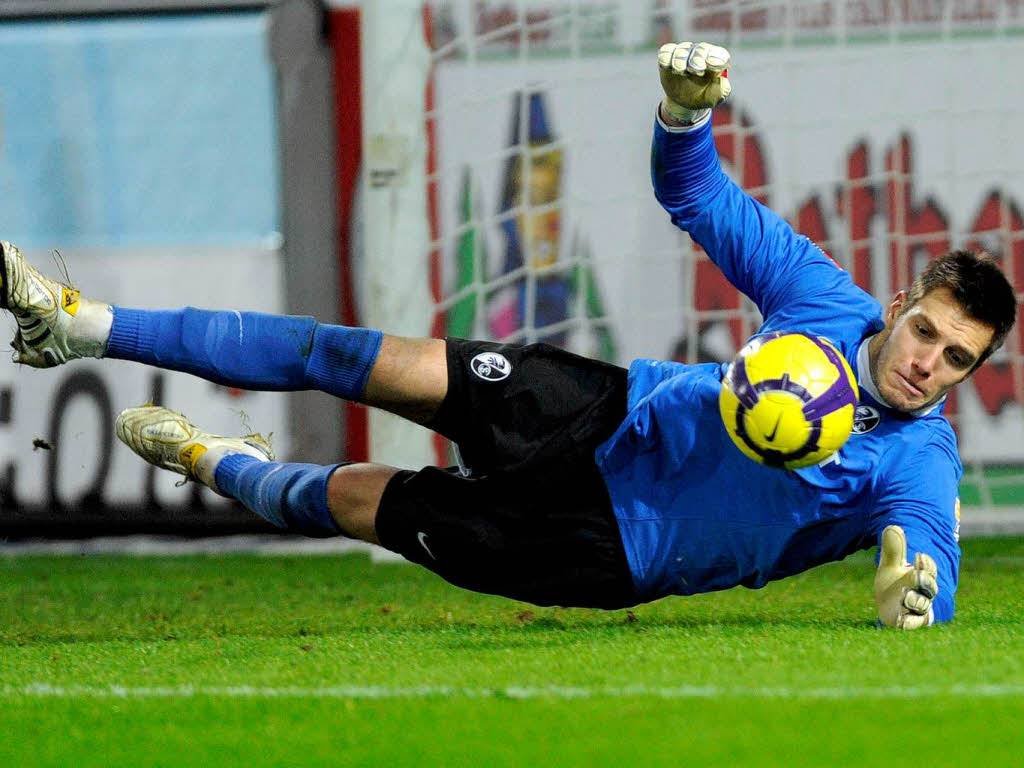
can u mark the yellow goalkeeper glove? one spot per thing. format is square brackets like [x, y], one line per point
[904, 592]
[694, 79]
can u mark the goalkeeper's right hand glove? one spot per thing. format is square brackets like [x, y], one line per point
[694, 78]
[904, 592]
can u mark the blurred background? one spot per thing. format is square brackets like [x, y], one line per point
[475, 169]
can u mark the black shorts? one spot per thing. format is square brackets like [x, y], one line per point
[532, 519]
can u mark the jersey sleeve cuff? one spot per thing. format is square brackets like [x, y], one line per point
[702, 121]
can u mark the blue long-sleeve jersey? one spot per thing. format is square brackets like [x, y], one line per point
[695, 514]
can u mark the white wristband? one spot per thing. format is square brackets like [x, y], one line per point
[700, 117]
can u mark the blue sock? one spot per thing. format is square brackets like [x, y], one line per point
[250, 350]
[292, 496]
[341, 359]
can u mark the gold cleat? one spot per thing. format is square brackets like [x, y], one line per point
[168, 440]
[55, 324]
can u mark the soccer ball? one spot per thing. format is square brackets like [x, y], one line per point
[788, 400]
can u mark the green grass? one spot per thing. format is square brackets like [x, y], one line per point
[793, 673]
[1005, 485]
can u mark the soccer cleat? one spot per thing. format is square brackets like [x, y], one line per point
[170, 441]
[55, 324]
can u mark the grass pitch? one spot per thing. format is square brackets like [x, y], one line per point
[246, 660]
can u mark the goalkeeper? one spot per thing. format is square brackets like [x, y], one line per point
[582, 483]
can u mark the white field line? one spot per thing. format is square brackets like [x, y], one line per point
[163, 546]
[44, 691]
[175, 545]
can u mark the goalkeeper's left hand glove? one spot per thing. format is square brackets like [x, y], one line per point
[904, 592]
[694, 79]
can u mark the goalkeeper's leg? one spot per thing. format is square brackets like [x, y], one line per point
[248, 350]
[310, 499]
[252, 350]
[546, 534]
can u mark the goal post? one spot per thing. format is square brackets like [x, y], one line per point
[534, 207]
[392, 264]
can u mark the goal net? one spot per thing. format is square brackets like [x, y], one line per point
[886, 132]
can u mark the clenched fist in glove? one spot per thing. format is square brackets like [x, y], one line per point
[694, 78]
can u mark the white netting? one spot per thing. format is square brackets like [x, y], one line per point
[884, 131]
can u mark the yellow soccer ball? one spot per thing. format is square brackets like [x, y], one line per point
[788, 399]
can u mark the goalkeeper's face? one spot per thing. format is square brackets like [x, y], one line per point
[926, 349]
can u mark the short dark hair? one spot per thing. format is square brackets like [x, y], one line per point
[978, 284]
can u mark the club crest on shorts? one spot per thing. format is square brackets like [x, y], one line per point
[490, 366]
[865, 418]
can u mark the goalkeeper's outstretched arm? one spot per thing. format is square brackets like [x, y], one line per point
[757, 250]
[915, 523]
